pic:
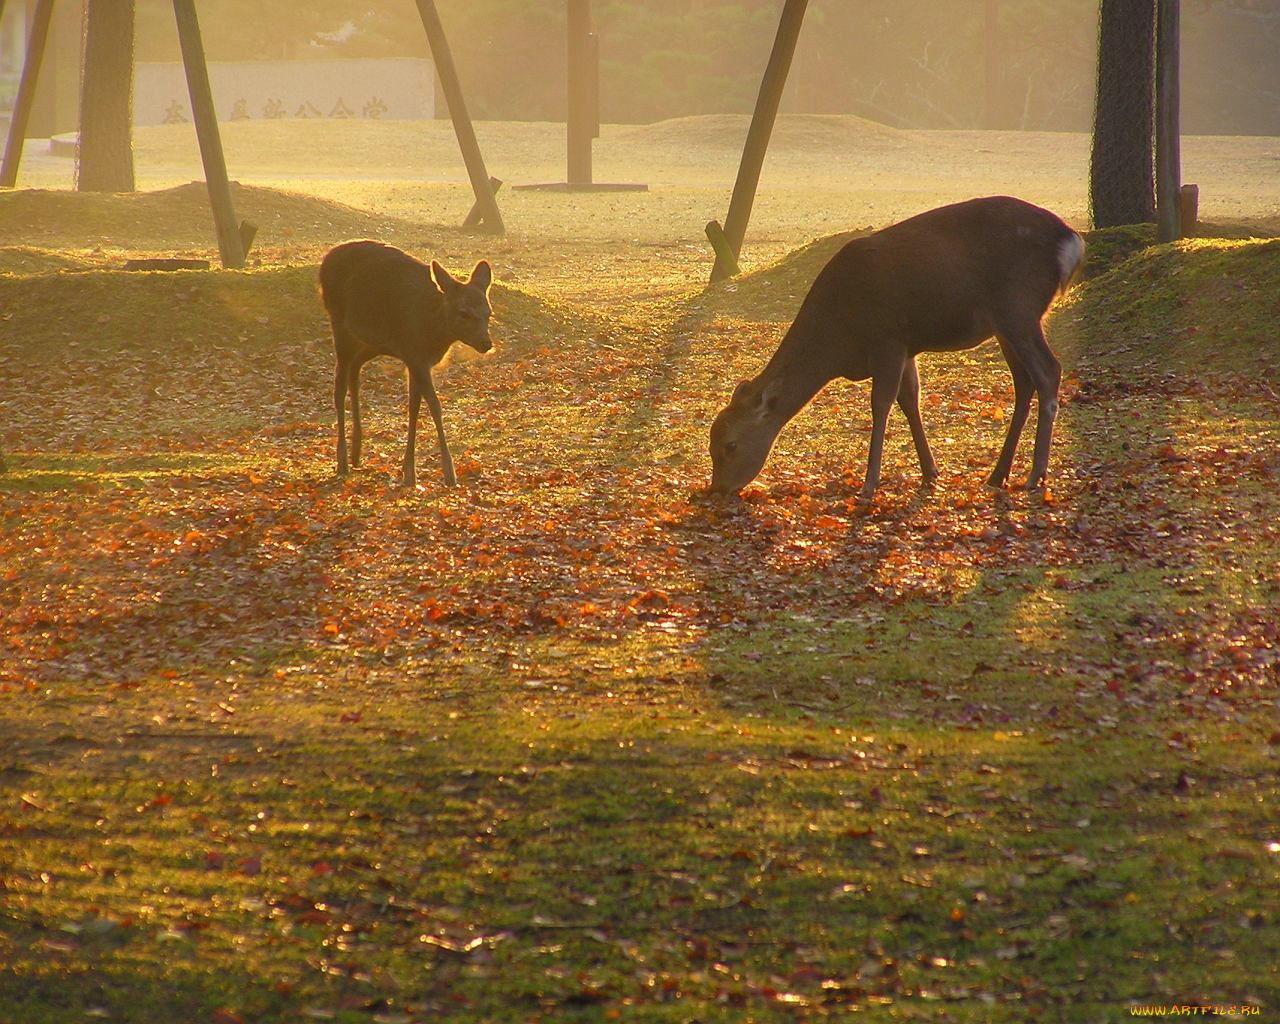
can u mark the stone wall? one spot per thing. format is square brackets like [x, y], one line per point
[394, 88]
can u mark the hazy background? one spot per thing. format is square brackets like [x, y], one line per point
[909, 63]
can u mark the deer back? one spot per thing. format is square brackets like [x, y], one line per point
[385, 298]
[943, 280]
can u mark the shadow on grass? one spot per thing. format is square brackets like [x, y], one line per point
[168, 566]
[471, 866]
[52, 472]
[102, 981]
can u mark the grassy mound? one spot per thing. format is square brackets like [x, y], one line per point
[1199, 306]
[791, 132]
[29, 259]
[774, 293]
[75, 339]
[177, 218]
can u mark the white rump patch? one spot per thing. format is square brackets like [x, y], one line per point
[1070, 256]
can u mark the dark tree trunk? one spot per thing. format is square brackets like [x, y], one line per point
[106, 99]
[1121, 176]
[1168, 121]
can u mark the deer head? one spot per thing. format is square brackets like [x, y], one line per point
[466, 304]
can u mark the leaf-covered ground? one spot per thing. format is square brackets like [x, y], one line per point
[572, 741]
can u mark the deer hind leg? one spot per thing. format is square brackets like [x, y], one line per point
[885, 385]
[1035, 369]
[408, 476]
[909, 403]
[1023, 389]
[1048, 380]
[341, 378]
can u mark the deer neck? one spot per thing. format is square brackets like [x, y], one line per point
[795, 374]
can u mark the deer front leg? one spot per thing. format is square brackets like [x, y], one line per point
[420, 386]
[446, 460]
[884, 388]
[909, 403]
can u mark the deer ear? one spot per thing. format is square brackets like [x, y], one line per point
[444, 280]
[769, 399]
[750, 394]
[482, 274]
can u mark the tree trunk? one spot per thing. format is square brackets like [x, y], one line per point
[758, 132]
[106, 99]
[1121, 176]
[1168, 120]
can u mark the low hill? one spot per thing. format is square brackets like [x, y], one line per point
[120, 352]
[179, 218]
[791, 131]
[1199, 306]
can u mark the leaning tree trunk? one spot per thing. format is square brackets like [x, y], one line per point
[106, 99]
[1121, 182]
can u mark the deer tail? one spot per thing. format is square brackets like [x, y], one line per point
[1070, 260]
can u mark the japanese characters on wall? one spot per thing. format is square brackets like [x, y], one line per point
[394, 88]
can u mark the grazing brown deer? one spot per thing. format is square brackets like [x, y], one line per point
[941, 281]
[383, 302]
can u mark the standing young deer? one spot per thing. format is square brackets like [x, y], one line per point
[941, 281]
[383, 302]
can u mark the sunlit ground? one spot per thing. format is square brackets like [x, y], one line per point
[570, 742]
[823, 174]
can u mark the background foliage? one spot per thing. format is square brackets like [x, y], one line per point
[913, 63]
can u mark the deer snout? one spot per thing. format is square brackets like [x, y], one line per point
[482, 345]
[720, 487]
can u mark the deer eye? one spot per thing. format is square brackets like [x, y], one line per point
[730, 447]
